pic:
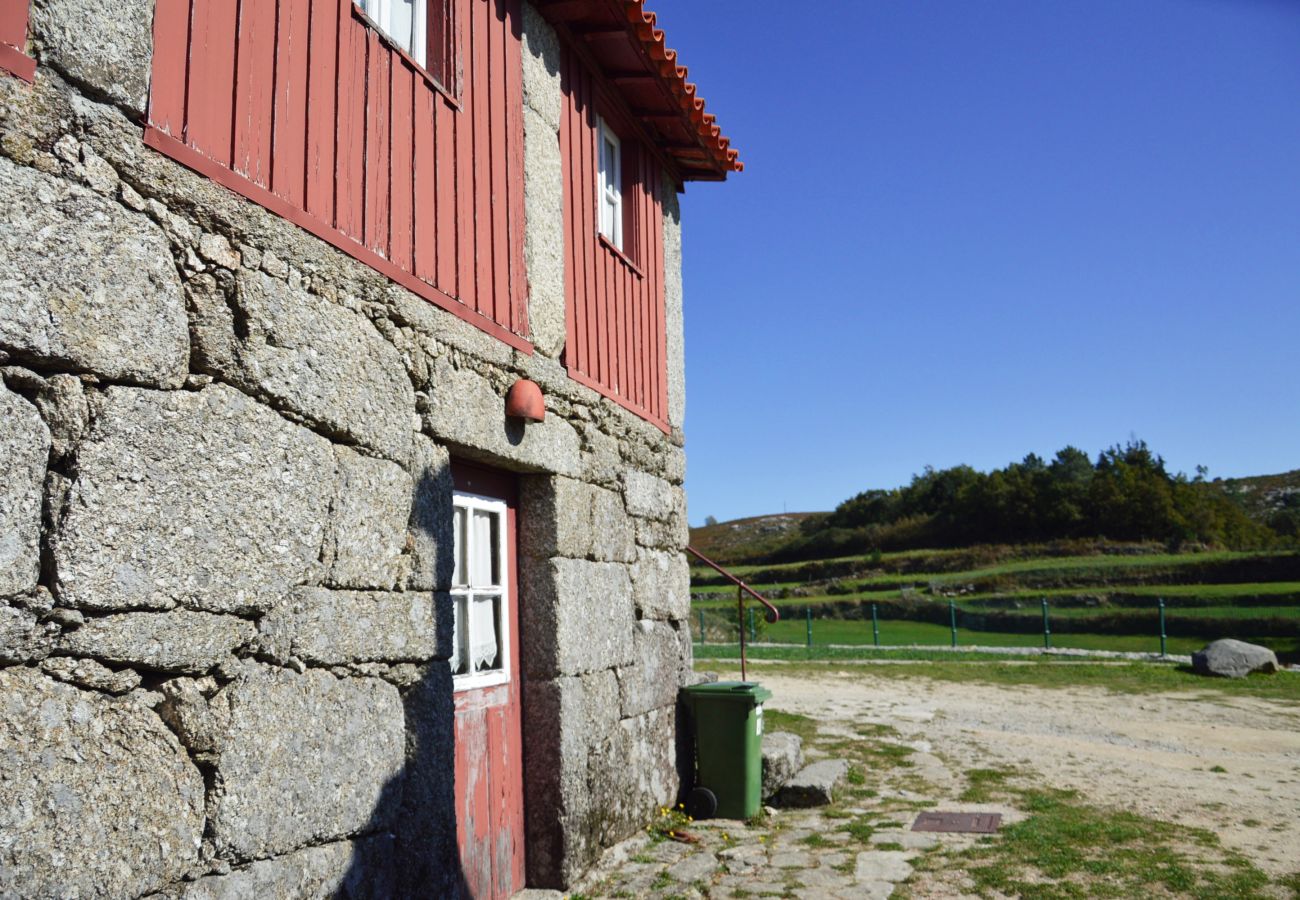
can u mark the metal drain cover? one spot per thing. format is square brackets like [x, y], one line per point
[958, 822]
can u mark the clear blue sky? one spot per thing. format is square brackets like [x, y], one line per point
[972, 230]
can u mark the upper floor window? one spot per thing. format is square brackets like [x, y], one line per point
[420, 28]
[610, 188]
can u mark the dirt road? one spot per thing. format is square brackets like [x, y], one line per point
[1155, 754]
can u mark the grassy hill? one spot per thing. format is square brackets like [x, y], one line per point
[1101, 595]
[741, 539]
[1272, 500]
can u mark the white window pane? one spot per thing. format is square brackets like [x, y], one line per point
[459, 635]
[484, 648]
[484, 565]
[419, 30]
[401, 18]
[461, 570]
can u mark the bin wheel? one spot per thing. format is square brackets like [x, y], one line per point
[701, 803]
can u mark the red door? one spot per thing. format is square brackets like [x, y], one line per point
[485, 672]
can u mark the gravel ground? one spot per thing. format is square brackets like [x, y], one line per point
[1228, 764]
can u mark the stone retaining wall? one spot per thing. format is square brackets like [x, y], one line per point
[225, 506]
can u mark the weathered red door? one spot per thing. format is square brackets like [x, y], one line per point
[485, 670]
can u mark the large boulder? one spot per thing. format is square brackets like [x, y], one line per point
[303, 759]
[24, 447]
[204, 499]
[1233, 659]
[814, 785]
[87, 285]
[782, 758]
[97, 797]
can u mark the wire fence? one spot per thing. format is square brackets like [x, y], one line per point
[1159, 627]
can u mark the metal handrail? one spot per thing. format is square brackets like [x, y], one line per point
[772, 615]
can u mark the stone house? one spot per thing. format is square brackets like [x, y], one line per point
[341, 518]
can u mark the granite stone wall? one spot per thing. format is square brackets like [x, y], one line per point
[225, 506]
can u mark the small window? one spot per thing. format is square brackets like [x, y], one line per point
[480, 638]
[420, 28]
[610, 187]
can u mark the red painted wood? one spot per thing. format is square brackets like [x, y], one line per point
[350, 146]
[322, 120]
[497, 101]
[379, 84]
[303, 101]
[212, 62]
[614, 298]
[401, 223]
[171, 40]
[255, 91]
[13, 23]
[445, 152]
[489, 739]
[15, 62]
[465, 274]
[289, 139]
[514, 132]
[479, 91]
[425, 188]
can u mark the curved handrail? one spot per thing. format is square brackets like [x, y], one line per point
[772, 615]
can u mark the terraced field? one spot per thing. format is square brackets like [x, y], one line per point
[1107, 600]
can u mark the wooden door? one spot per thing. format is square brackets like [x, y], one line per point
[485, 672]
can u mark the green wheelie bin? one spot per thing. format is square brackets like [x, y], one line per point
[728, 722]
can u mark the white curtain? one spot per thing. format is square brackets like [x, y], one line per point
[483, 633]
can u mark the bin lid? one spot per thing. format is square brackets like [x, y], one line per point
[740, 691]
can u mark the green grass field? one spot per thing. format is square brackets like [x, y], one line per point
[1098, 602]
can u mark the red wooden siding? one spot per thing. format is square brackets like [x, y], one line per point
[614, 301]
[304, 108]
[13, 39]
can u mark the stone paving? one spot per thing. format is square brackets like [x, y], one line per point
[860, 846]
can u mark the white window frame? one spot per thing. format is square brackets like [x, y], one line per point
[471, 503]
[609, 185]
[416, 44]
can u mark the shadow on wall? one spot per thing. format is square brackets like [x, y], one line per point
[414, 853]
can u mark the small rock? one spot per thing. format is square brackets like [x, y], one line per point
[216, 249]
[694, 868]
[1234, 659]
[743, 858]
[882, 865]
[90, 674]
[814, 785]
[782, 758]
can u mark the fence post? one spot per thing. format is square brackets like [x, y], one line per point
[1047, 628]
[751, 626]
[807, 610]
[701, 628]
[952, 615]
[875, 625]
[1162, 626]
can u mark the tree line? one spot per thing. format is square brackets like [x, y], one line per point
[1127, 494]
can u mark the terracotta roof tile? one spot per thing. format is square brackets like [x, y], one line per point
[671, 110]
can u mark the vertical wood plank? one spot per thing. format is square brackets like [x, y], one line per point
[498, 35]
[401, 227]
[322, 119]
[515, 166]
[171, 41]
[445, 151]
[481, 98]
[425, 204]
[289, 141]
[255, 91]
[465, 232]
[13, 23]
[350, 168]
[473, 817]
[379, 82]
[210, 100]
